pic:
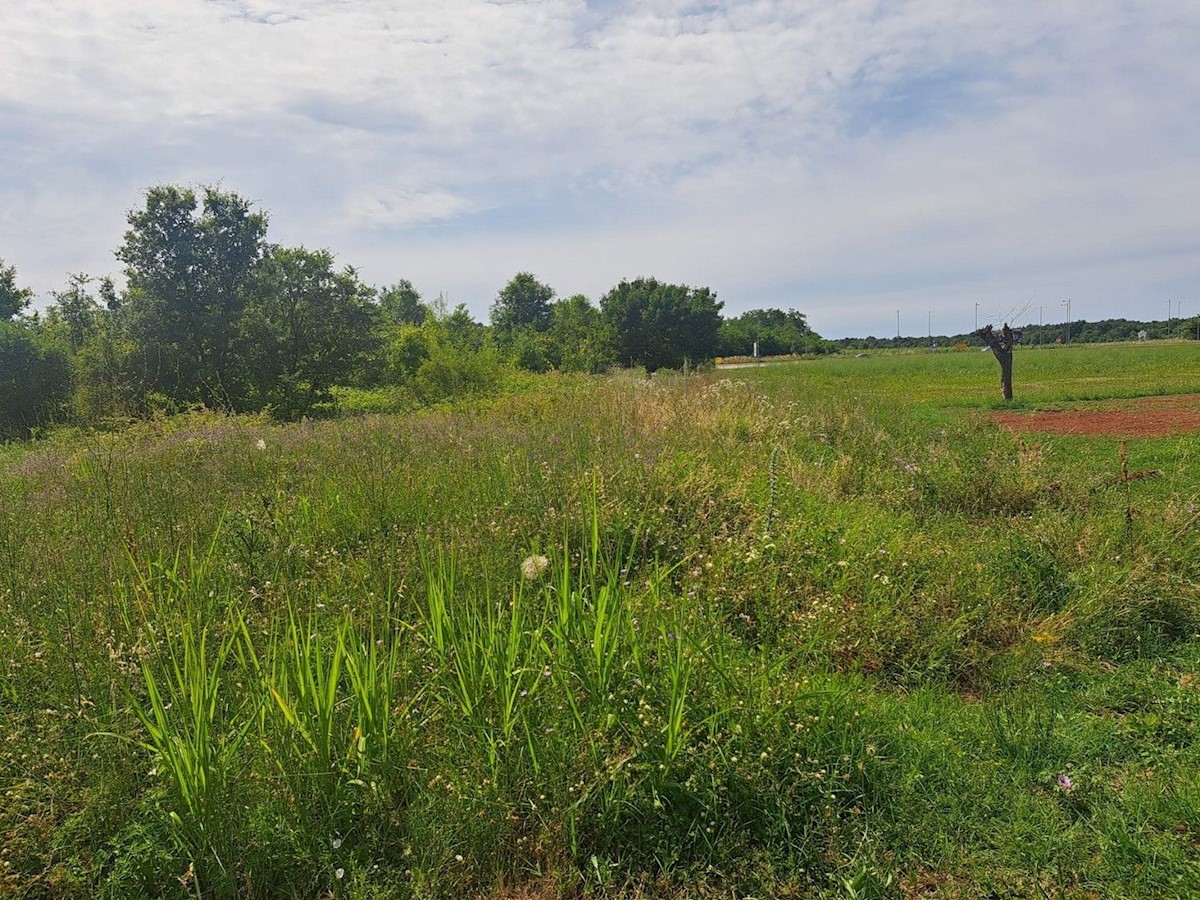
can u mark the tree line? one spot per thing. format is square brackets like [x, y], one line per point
[214, 314]
[1079, 331]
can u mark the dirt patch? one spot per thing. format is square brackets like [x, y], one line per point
[1143, 417]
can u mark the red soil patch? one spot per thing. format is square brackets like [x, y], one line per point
[1144, 417]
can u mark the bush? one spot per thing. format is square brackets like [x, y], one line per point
[450, 374]
[35, 382]
[407, 349]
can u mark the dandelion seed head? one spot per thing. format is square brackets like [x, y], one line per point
[534, 566]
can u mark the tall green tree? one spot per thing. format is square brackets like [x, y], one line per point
[660, 325]
[401, 304]
[75, 314]
[307, 328]
[459, 330]
[775, 331]
[579, 342]
[190, 262]
[522, 303]
[12, 298]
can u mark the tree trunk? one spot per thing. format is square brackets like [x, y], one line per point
[1005, 373]
[1001, 344]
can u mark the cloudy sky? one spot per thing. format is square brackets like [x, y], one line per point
[847, 158]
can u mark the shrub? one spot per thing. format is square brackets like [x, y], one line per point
[35, 382]
[450, 374]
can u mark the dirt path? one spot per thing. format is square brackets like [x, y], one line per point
[1142, 417]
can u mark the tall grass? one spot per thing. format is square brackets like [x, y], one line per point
[817, 630]
[197, 749]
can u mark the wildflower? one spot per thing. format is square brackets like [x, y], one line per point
[260, 444]
[340, 874]
[1065, 782]
[337, 843]
[534, 566]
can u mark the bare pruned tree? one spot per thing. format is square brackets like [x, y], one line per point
[1001, 343]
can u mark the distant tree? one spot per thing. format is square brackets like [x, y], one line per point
[577, 336]
[776, 332]
[522, 303]
[75, 312]
[460, 331]
[189, 275]
[35, 381]
[108, 383]
[306, 329]
[12, 298]
[401, 304]
[407, 348]
[659, 325]
[108, 294]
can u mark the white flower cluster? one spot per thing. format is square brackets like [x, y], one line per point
[533, 567]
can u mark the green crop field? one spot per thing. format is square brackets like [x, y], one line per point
[816, 629]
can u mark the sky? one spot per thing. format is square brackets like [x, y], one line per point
[856, 160]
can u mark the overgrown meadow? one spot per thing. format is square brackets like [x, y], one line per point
[809, 630]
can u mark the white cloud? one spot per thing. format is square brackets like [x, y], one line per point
[402, 208]
[835, 157]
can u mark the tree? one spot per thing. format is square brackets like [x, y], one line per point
[1001, 344]
[406, 350]
[578, 339]
[189, 276]
[461, 331]
[12, 298]
[775, 331]
[522, 303]
[108, 383]
[306, 329]
[401, 304]
[75, 312]
[659, 325]
[35, 381]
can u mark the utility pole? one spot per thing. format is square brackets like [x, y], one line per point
[1168, 319]
[976, 316]
[897, 324]
[1067, 303]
